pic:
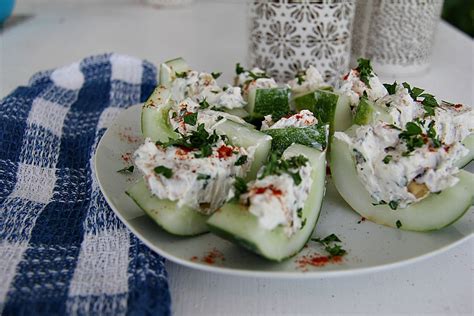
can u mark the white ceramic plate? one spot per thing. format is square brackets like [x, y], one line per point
[370, 246]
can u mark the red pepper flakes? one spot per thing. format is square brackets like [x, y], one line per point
[126, 135]
[361, 220]
[225, 151]
[458, 106]
[316, 260]
[346, 76]
[127, 157]
[262, 190]
[211, 257]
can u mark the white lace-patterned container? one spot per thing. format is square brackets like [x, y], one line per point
[287, 36]
[397, 35]
[168, 3]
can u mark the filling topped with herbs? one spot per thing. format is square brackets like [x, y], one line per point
[196, 170]
[402, 166]
[278, 195]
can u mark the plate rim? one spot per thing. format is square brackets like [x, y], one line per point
[260, 274]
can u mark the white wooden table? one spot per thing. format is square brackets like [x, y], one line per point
[212, 36]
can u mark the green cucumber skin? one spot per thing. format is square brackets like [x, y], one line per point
[169, 69]
[164, 213]
[364, 114]
[315, 136]
[433, 213]
[274, 101]
[328, 107]
[234, 223]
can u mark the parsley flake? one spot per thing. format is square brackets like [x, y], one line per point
[242, 160]
[128, 169]
[202, 176]
[190, 118]
[216, 75]
[166, 172]
[332, 249]
[240, 187]
[204, 104]
[391, 88]
[183, 74]
[239, 69]
[365, 70]
[399, 224]
[387, 159]
[393, 205]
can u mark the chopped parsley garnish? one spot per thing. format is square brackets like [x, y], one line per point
[277, 166]
[393, 204]
[126, 169]
[166, 172]
[239, 69]
[387, 159]
[202, 176]
[365, 70]
[391, 88]
[240, 187]
[299, 212]
[183, 74]
[415, 137]
[429, 102]
[190, 118]
[204, 104]
[412, 137]
[199, 139]
[253, 76]
[216, 75]
[242, 160]
[334, 249]
[399, 224]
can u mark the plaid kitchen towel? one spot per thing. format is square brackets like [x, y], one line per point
[62, 250]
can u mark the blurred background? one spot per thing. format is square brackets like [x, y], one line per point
[460, 13]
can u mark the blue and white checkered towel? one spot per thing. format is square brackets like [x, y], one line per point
[62, 250]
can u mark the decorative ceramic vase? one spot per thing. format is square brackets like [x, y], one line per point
[288, 36]
[397, 35]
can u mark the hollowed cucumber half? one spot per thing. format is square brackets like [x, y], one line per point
[169, 69]
[180, 221]
[432, 213]
[184, 221]
[154, 120]
[235, 223]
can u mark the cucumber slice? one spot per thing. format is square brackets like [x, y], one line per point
[154, 119]
[315, 136]
[235, 223]
[328, 107]
[469, 143]
[368, 112]
[182, 221]
[239, 112]
[274, 101]
[241, 135]
[432, 213]
[169, 69]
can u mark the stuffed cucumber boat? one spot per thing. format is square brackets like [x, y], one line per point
[275, 215]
